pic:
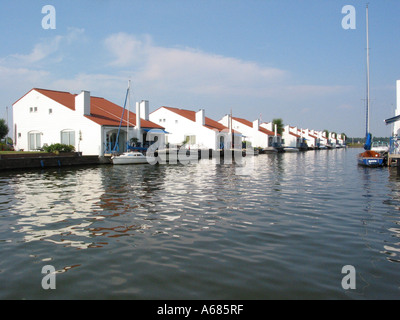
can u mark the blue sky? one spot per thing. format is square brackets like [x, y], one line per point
[271, 58]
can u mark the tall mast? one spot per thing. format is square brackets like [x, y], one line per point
[367, 115]
[129, 109]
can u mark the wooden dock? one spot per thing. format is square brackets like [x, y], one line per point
[393, 160]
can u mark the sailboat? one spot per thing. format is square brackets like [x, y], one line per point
[128, 157]
[369, 158]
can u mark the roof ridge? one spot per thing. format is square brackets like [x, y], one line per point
[54, 91]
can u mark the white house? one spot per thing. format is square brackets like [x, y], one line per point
[192, 129]
[395, 119]
[276, 139]
[332, 139]
[311, 138]
[253, 132]
[290, 137]
[323, 140]
[340, 140]
[90, 124]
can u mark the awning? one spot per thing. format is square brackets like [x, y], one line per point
[393, 119]
[155, 130]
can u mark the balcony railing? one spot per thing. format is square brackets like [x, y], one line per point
[394, 147]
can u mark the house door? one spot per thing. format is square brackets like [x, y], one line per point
[116, 143]
[34, 140]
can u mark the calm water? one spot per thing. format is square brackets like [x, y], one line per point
[201, 231]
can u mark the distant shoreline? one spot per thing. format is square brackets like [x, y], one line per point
[355, 145]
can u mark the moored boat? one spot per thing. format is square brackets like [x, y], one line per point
[370, 158]
[270, 150]
[291, 149]
[129, 158]
[380, 146]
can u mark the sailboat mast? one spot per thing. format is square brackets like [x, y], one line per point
[367, 114]
[129, 110]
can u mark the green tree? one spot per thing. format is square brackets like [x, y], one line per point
[3, 129]
[279, 125]
[326, 133]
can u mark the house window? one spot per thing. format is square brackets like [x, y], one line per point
[34, 140]
[50, 111]
[35, 109]
[30, 109]
[176, 121]
[19, 135]
[68, 137]
[190, 139]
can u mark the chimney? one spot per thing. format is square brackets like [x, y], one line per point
[144, 109]
[138, 115]
[256, 124]
[82, 103]
[138, 125]
[200, 117]
[229, 123]
[286, 129]
[270, 126]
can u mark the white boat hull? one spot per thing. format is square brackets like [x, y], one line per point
[129, 158]
[290, 149]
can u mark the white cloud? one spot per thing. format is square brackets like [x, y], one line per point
[46, 48]
[126, 49]
[107, 86]
[188, 70]
[40, 51]
[176, 76]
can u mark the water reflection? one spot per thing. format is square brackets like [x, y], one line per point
[56, 206]
[193, 229]
[392, 245]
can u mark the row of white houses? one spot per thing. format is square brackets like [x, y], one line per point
[96, 126]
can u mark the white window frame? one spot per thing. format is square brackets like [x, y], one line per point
[68, 136]
[34, 140]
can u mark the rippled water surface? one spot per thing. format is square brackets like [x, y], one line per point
[284, 230]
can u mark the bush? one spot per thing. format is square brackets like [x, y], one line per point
[59, 147]
[6, 147]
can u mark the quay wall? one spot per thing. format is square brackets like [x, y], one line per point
[48, 160]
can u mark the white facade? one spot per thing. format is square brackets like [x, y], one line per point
[88, 123]
[291, 137]
[252, 132]
[191, 129]
[39, 120]
[396, 124]
[332, 139]
[276, 139]
[323, 140]
[311, 138]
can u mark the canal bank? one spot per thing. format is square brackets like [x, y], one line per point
[48, 160]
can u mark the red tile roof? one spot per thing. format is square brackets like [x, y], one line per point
[191, 115]
[293, 134]
[250, 124]
[102, 111]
